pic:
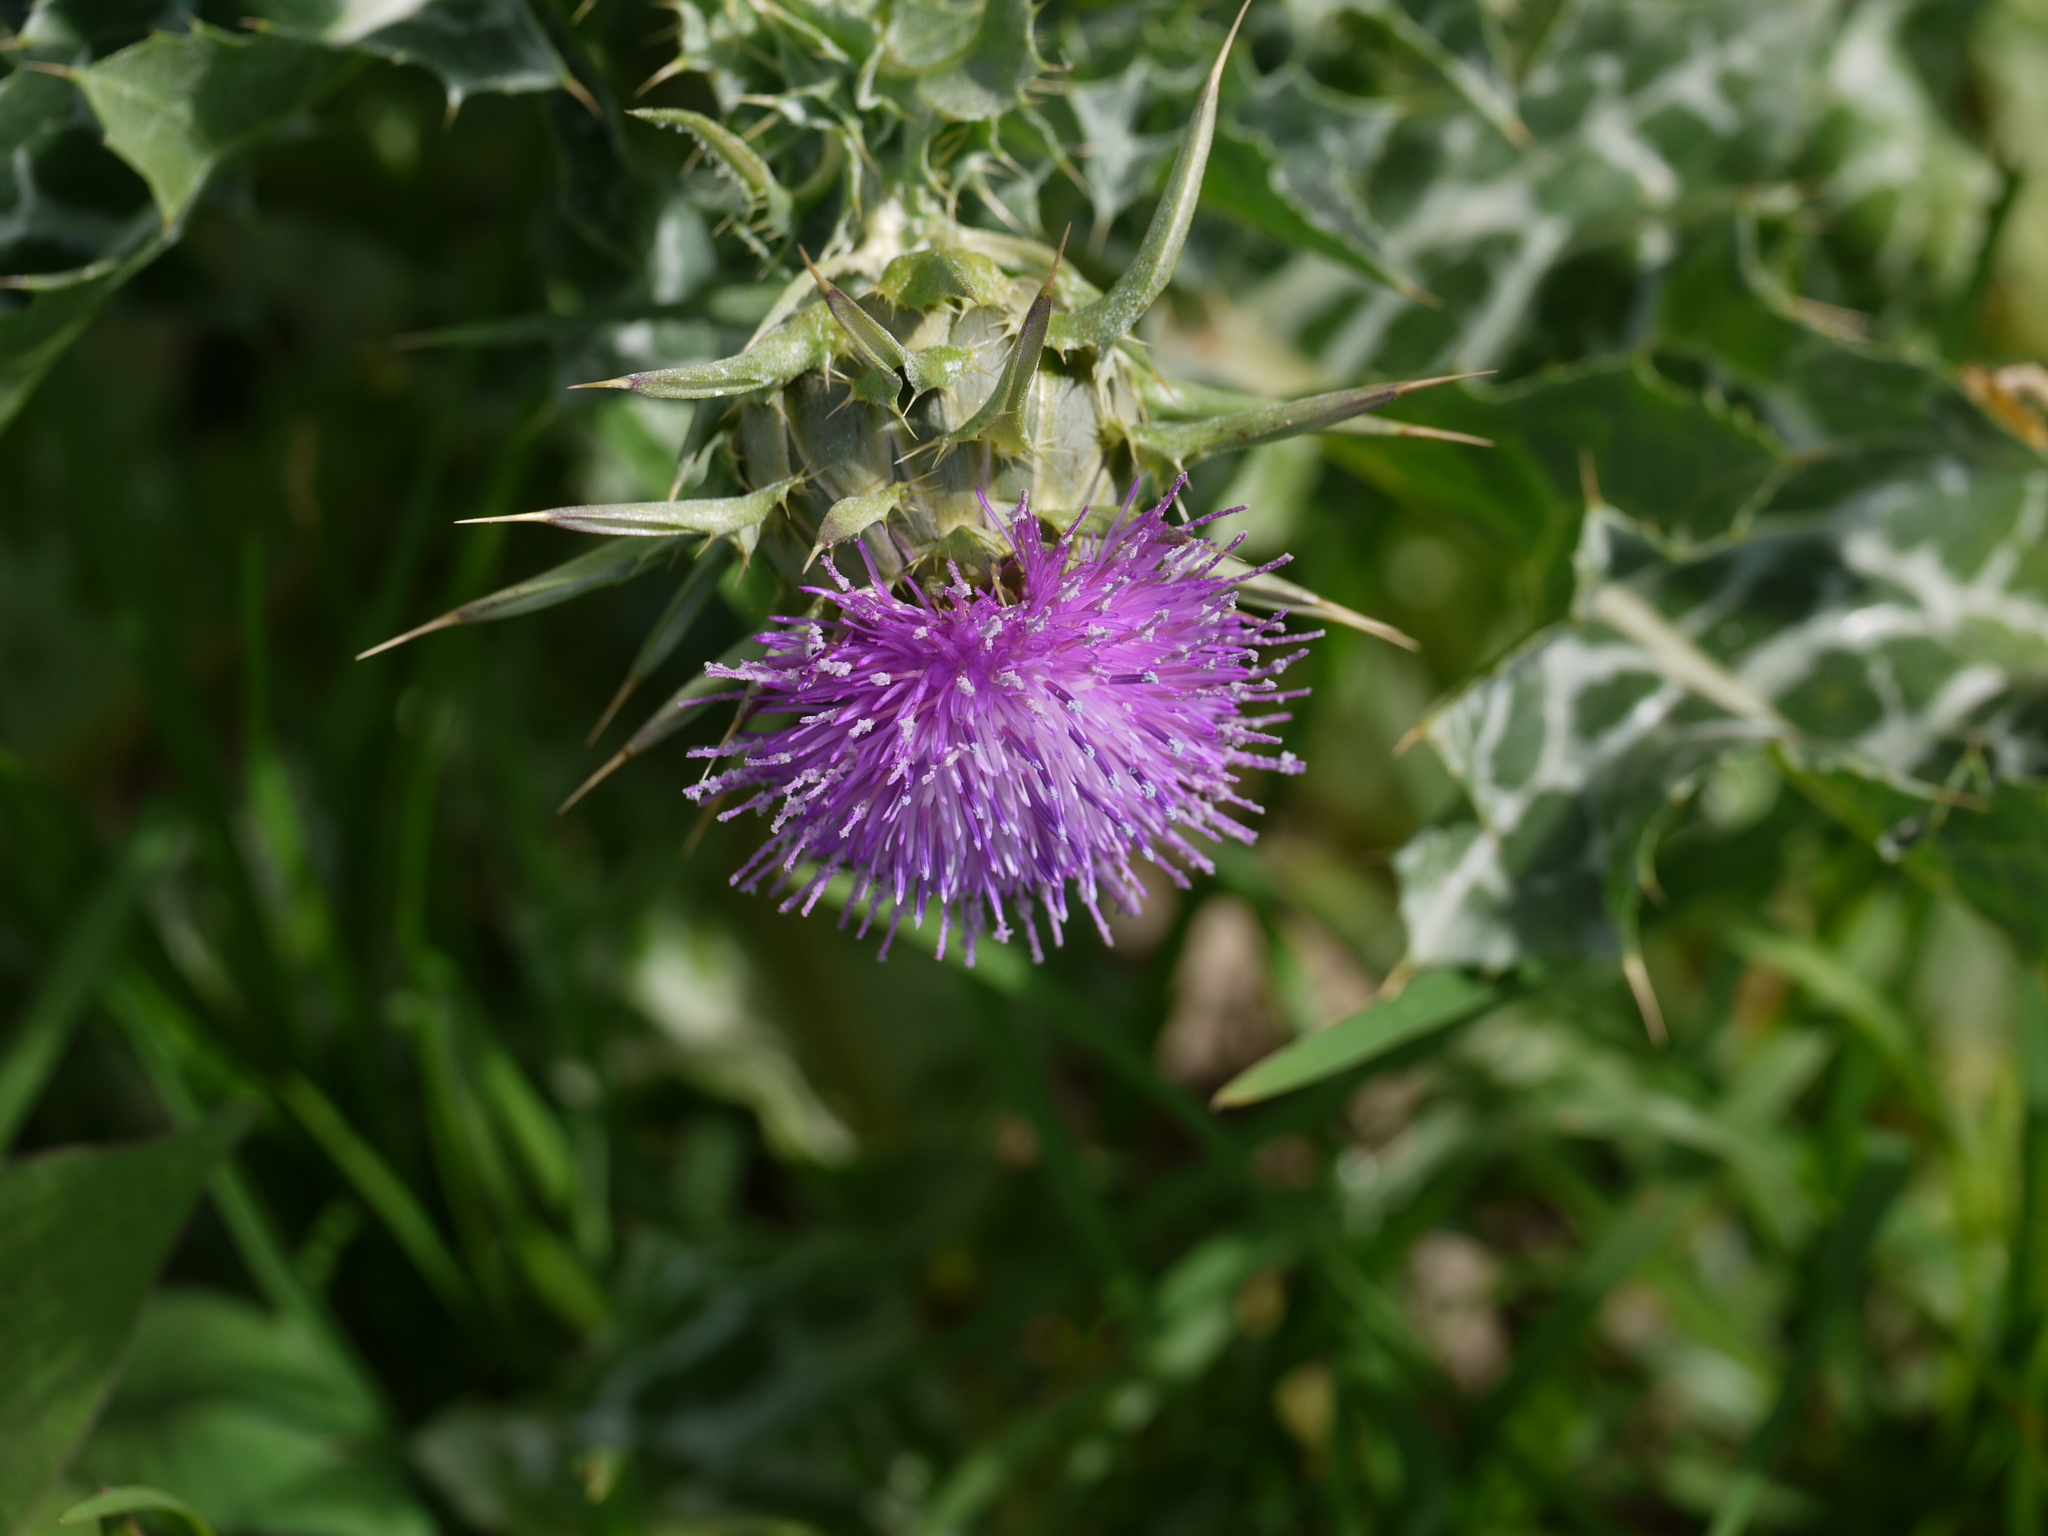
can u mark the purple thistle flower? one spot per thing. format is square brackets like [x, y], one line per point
[979, 748]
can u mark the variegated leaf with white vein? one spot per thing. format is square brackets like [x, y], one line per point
[1885, 637]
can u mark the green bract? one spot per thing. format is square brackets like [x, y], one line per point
[929, 362]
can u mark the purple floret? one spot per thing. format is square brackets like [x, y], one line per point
[982, 748]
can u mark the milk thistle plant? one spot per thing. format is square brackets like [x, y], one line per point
[984, 706]
[555, 1190]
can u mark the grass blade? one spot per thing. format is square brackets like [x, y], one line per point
[383, 1191]
[1433, 1001]
[84, 957]
[1838, 1264]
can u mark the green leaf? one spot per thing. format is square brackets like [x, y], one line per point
[1990, 853]
[1631, 124]
[1878, 638]
[86, 1233]
[1681, 464]
[1483, 94]
[470, 1084]
[1117, 161]
[175, 106]
[71, 32]
[1292, 161]
[1433, 1001]
[35, 334]
[988, 78]
[254, 1424]
[473, 46]
[135, 1498]
[68, 206]
[1899, 179]
[1995, 857]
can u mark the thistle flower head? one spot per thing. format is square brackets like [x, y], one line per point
[981, 748]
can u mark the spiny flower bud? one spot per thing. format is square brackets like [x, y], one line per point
[995, 717]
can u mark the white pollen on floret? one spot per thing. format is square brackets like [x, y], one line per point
[1073, 706]
[964, 683]
[1175, 747]
[1009, 678]
[1151, 676]
[836, 668]
[861, 728]
[922, 632]
[881, 679]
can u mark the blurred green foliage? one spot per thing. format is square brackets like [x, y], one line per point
[584, 1195]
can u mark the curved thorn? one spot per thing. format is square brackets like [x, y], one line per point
[1379, 426]
[446, 621]
[1112, 316]
[611, 713]
[618, 760]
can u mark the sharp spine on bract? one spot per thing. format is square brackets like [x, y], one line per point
[1183, 442]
